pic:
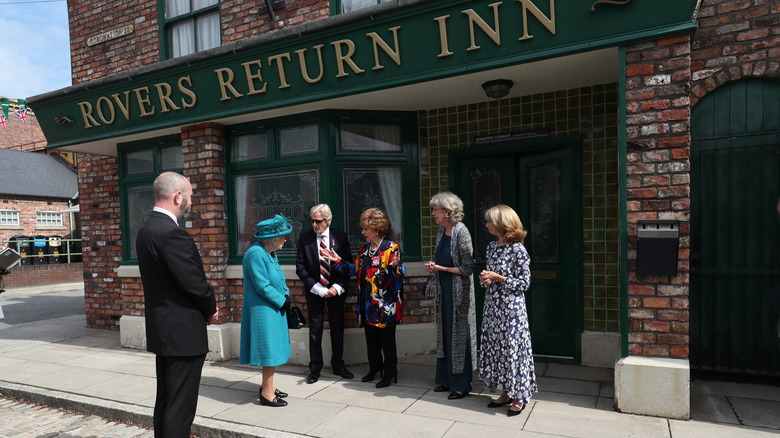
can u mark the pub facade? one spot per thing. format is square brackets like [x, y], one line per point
[638, 142]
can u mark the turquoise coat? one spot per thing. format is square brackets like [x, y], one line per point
[265, 339]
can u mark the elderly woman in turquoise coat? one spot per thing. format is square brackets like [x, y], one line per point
[265, 340]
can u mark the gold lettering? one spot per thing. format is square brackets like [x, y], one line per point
[445, 47]
[280, 67]
[143, 101]
[103, 99]
[490, 32]
[164, 92]
[125, 108]
[549, 23]
[305, 70]
[341, 58]
[86, 112]
[188, 92]
[251, 77]
[380, 43]
[225, 76]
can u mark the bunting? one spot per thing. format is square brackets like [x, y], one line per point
[5, 103]
[22, 111]
[3, 121]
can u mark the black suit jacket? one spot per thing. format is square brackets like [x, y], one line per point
[177, 295]
[307, 264]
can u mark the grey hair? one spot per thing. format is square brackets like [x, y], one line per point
[450, 202]
[322, 208]
[168, 183]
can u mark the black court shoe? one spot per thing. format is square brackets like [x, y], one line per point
[371, 376]
[511, 413]
[384, 382]
[493, 404]
[275, 403]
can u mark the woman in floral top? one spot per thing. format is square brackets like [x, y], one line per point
[379, 274]
[506, 359]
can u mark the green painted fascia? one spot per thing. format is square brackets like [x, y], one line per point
[421, 55]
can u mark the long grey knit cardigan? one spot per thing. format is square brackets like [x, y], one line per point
[464, 320]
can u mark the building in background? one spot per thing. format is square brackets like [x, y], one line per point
[637, 140]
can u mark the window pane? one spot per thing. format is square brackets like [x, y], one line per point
[545, 196]
[140, 162]
[357, 137]
[182, 38]
[140, 202]
[48, 219]
[486, 189]
[299, 140]
[379, 187]
[354, 5]
[250, 147]
[9, 217]
[261, 196]
[208, 31]
[174, 8]
[170, 158]
[200, 4]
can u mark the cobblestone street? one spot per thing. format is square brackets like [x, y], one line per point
[25, 420]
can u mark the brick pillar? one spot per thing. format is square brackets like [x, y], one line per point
[203, 154]
[658, 181]
[101, 239]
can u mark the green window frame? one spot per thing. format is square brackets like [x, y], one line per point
[192, 17]
[139, 164]
[297, 162]
[345, 6]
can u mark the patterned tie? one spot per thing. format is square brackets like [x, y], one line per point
[324, 265]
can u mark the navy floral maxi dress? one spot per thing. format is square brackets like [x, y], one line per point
[506, 357]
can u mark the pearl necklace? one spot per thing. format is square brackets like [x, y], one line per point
[371, 252]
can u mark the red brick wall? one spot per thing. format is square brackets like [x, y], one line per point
[242, 20]
[42, 275]
[736, 39]
[27, 208]
[22, 136]
[658, 183]
[102, 240]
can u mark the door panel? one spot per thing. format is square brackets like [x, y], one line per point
[540, 186]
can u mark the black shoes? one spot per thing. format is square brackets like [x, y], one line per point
[275, 403]
[343, 372]
[280, 394]
[454, 395]
[511, 413]
[384, 382]
[493, 404]
[441, 388]
[312, 378]
[370, 376]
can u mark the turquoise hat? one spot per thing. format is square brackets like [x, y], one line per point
[274, 227]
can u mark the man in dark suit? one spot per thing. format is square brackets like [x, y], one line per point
[323, 289]
[179, 305]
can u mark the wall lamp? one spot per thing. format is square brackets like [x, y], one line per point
[498, 88]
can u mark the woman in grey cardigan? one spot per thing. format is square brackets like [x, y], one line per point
[452, 286]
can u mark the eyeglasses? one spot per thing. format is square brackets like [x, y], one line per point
[318, 221]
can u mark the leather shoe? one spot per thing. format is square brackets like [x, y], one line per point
[384, 382]
[370, 376]
[311, 378]
[280, 394]
[493, 404]
[343, 372]
[511, 413]
[275, 403]
[454, 395]
[441, 388]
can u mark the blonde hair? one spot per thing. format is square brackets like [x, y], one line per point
[506, 222]
[450, 202]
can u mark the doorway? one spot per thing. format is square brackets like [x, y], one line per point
[541, 180]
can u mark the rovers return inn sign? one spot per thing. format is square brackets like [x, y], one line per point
[347, 55]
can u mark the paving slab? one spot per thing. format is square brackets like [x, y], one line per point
[123, 388]
[469, 430]
[471, 409]
[573, 421]
[700, 429]
[287, 418]
[712, 408]
[760, 413]
[394, 398]
[357, 422]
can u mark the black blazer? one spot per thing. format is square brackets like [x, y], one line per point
[307, 264]
[177, 295]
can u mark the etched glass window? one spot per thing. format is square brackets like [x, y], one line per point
[250, 147]
[377, 187]
[140, 201]
[9, 218]
[544, 188]
[170, 158]
[261, 196]
[139, 162]
[360, 137]
[299, 140]
[486, 187]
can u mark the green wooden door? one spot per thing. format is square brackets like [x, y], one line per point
[735, 243]
[540, 180]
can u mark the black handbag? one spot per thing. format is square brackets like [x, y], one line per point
[295, 319]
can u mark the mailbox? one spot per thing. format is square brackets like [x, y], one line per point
[657, 245]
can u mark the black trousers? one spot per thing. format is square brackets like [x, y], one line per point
[316, 305]
[178, 381]
[381, 341]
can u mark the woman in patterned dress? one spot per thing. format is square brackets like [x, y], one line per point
[379, 273]
[506, 359]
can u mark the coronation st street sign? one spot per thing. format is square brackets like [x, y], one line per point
[435, 40]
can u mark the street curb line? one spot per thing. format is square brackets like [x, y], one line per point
[141, 415]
